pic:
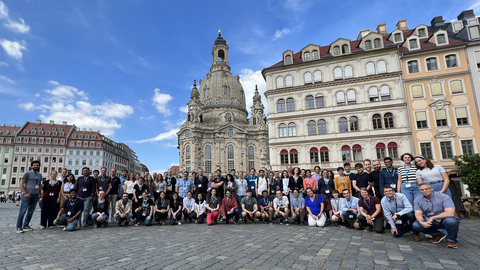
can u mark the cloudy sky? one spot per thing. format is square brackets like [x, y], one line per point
[126, 68]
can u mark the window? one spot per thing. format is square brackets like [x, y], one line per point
[337, 73]
[315, 54]
[346, 155]
[421, 32]
[281, 105]
[426, 150]
[393, 150]
[368, 45]
[312, 128]
[290, 105]
[388, 120]
[208, 152]
[307, 78]
[15, 159]
[279, 82]
[336, 50]
[377, 43]
[322, 126]
[313, 155]
[343, 124]
[397, 37]
[288, 81]
[228, 117]
[462, 117]
[432, 64]
[456, 86]
[340, 98]
[474, 32]
[353, 123]
[310, 102]
[3, 182]
[46, 160]
[345, 48]
[385, 92]
[373, 93]
[377, 121]
[208, 166]
[282, 130]
[467, 147]
[60, 160]
[22, 169]
[413, 44]
[14, 180]
[288, 59]
[436, 89]
[348, 72]
[284, 157]
[14, 169]
[370, 68]
[351, 99]
[382, 66]
[230, 132]
[293, 156]
[230, 152]
[319, 101]
[188, 152]
[417, 91]
[317, 76]
[380, 147]
[357, 152]
[225, 91]
[292, 130]
[441, 39]
[251, 153]
[412, 66]
[441, 117]
[324, 154]
[24, 158]
[306, 56]
[446, 148]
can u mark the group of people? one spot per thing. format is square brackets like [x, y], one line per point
[413, 197]
[14, 198]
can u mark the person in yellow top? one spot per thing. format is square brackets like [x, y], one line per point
[342, 181]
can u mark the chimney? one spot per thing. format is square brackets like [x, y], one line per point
[14, 125]
[98, 131]
[84, 129]
[402, 24]
[466, 14]
[2, 125]
[437, 21]
[363, 33]
[38, 121]
[382, 28]
[51, 122]
[64, 123]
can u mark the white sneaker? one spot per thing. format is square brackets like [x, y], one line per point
[64, 229]
[179, 223]
[42, 227]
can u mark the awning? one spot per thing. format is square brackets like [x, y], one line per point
[10, 192]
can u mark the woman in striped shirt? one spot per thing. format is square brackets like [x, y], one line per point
[407, 180]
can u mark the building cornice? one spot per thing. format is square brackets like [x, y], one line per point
[453, 74]
[431, 51]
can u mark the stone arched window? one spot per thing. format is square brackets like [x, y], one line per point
[228, 117]
[282, 130]
[312, 127]
[281, 105]
[292, 130]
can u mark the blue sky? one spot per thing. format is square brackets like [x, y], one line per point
[127, 67]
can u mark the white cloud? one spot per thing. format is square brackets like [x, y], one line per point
[27, 106]
[3, 11]
[13, 48]
[174, 164]
[249, 79]
[37, 95]
[151, 117]
[5, 78]
[183, 109]
[171, 134]
[281, 33]
[160, 101]
[64, 92]
[18, 27]
[4, 64]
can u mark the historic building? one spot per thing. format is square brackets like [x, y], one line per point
[218, 133]
[7, 140]
[344, 102]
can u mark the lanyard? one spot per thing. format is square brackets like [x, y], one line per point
[337, 204]
[163, 202]
[214, 199]
[249, 201]
[145, 203]
[407, 172]
[101, 203]
[295, 179]
[350, 204]
[309, 181]
[368, 205]
[189, 203]
[53, 183]
[393, 172]
[140, 187]
[103, 179]
[266, 201]
[297, 204]
[326, 181]
[228, 202]
[85, 179]
[73, 202]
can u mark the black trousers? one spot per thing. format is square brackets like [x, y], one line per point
[377, 223]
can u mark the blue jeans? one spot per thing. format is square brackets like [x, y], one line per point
[87, 207]
[451, 225]
[178, 217]
[239, 202]
[64, 221]
[233, 214]
[412, 192]
[349, 220]
[142, 218]
[187, 216]
[438, 187]
[407, 221]
[95, 216]
[26, 206]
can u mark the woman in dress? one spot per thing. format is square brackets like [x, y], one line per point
[66, 186]
[435, 175]
[200, 209]
[162, 207]
[159, 186]
[407, 178]
[50, 200]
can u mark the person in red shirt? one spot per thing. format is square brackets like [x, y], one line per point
[229, 207]
[309, 181]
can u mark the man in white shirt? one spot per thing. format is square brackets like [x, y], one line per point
[189, 207]
[280, 205]
[350, 208]
[261, 184]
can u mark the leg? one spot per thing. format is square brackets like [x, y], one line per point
[178, 216]
[94, 218]
[378, 225]
[408, 192]
[44, 213]
[452, 227]
[63, 220]
[321, 220]
[303, 215]
[215, 215]
[86, 210]
[31, 204]
[361, 221]
[185, 214]
[239, 199]
[148, 221]
[348, 219]
[201, 218]
[311, 222]
[72, 226]
[172, 220]
[113, 202]
[270, 213]
[52, 214]
[138, 215]
[209, 219]
[128, 218]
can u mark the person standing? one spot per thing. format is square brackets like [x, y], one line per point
[67, 185]
[398, 211]
[273, 179]
[113, 194]
[213, 207]
[201, 184]
[407, 178]
[123, 179]
[435, 175]
[31, 185]
[160, 186]
[370, 213]
[86, 186]
[100, 210]
[184, 185]
[342, 181]
[309, 181]
[218, 183]
[315, 206]
[367, 164]
[252, 179]
[298, 209]
[229, 207]
[295, 182]
[231, 185]
[138, 191]
[50, 200]
[171, 183]
[360, 179]
[283, 184]
[389, 176]
[70, 213]
[318, 176]
[374, 178]
[326, 185]
[261, 184]
[150, 187]
[242, 186]
[104, 182]
[123, 210]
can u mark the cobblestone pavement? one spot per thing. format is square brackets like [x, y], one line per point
[247, 246]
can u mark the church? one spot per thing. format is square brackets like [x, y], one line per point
[218, 134]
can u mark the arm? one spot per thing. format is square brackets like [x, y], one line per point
[399, 183]
[381, 184]
[61, 191]
[419, 180]
[378, 211]
[109, 187]
[446, 182]
[22, 187]
[354, 184]
[321, 208]
[408, 207]
[151, 211]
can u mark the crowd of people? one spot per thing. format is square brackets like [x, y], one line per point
[411, 198]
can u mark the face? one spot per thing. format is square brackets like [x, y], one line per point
[228, 193]
[162, 195]
[210, 177]
[54, 175]
[249, 194]
[233, 173]
[36, 167]
[335, 195]
[146, 174]
[425, 190]
[340, 172]
[277, 174]
[295, 193]
[330, 174]
[289, 169]
[367, 165]
[219, 173]
[137, 176]
[95, 174]
[169, 172]
[346, 194]
[113, 172]
[124, 174]
[310, 192]
[325, 175]
[104, 171]
[270, 175]
[285, 175]
[86, 172]
[252, 172]
[131, 176]
[214, 192]
[359, 170]
[185, 175]
[420, 162]
[194, 175]
[73, 195]
[70, 178]
[388, 163]
[101, 194]
[189, 195]
[302, 173]
[309, 174]
[348, 167]
[245, 175]
[317, 170]
[262, 174]
[144, 195]
[364, 193]
[64, 173]
[265, 194]
[389, 192]
[279, 194]
[125, 197]
[199, 197]
[376, 165]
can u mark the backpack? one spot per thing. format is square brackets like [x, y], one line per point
[327, 206]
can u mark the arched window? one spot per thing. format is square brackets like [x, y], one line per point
[294, 156]
[382, 66]
[251, 154]
[346, 153]
[290, 105]
[345, 48]
[336, 50]
[317, 76]
[324, 155]
[284, 156]
[343, 124]
[188, 152]
[279, 82]
[377, 43]
[205, 93]
[380, 147]
[313, 155]
[254, 121]
[208, 152]
[228, 117]
[310, 102]
[307, 78]
[351, 98]
[393, 150]
[348, 72]
[357, 152]
[282, 130]
[388, 120]
[370, 68]
[281, 105]
[230, 152]
[292, 130]
[319, 101]
[288, 81]
[373, 93]
[368, 45]
[225, 90]
[322, 126]
[312, 128]
[288, 59]
[306, 56]
[337, 73]
[377, 121]
[340, 98]
[385, 92]
[315, 54]
[353, 123]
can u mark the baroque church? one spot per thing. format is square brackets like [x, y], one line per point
[218, 133]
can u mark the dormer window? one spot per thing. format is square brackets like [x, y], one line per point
[474, 32]
[441, 39]
[336, 50]
[314, 54]
[413, 44]
[397, 37]
[345, 48]
[228, 117]
[368, 45]
[421, 32]
[377, 43]
[288, 59]
[306, 56]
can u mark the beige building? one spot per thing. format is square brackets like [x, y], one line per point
[7, 139]
[218, 133]
[339, 103]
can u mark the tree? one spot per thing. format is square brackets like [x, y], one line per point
[468, 168]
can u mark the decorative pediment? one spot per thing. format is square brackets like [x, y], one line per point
[439, 104]
[233, 126]
[445, 135]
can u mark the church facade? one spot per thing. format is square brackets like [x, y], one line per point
[218, 134]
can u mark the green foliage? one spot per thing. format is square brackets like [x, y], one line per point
[468, 167]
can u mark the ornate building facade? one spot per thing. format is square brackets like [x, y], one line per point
[218, 133]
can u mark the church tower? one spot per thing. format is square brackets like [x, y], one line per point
[218, 133]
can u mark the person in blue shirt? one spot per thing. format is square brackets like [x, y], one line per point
[252, 179]
[184, 185]
[349, 208]
[315, 206]
[388, 176]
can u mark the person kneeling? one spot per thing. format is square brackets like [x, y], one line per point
[162, 207]
[315, 206]
[213, 206]
[370, 213]
[144, 212]
[189, 208]
[298, 208]
[229, 207]
[280, 205]
[100, 210]
[398, 211]
[337, 214]
[249, 208]
[123, 210]
[176, 206]
[71, 210]
[266, 207]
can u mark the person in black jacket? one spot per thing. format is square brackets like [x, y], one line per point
[326, 185]
[295, 182]
[100, 210]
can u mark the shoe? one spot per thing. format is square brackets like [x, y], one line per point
[266, 222]
[103, 225]
[64, 229]
[85, 225]
[302, 224]
[195, 221]
[27, 228]
[95, 226]
[227, 222]
[244, 220]
[119, 224]
[42, 227]
[451, 244]
[428, 236]
[51, 227]
[179, 223]
[126, 224]
[416, 237]
[19, 230]
[138, 224]
[286, 223]
[253, 221]
[270, 222]
[350, 227]
[368, 228]
[281, 221]
[438, 239]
